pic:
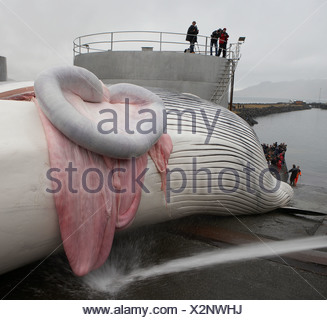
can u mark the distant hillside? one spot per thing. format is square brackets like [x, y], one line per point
[308, 90]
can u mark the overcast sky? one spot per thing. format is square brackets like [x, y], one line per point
[285, 39]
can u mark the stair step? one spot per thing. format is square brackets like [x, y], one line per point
[224, 81]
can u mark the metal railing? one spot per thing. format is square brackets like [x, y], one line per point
[145, 40]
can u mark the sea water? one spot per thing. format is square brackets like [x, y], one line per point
[305, 134]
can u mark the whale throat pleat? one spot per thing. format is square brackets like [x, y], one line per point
[97, 195]
[97, 177]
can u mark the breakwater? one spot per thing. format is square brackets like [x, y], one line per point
[319, 105]
[252, 111]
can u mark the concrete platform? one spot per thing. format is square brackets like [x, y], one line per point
[186, 73]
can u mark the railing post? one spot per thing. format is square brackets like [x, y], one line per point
[160, 41]
[205, 51]
[231, 90]
[112, 41]
[79, 45]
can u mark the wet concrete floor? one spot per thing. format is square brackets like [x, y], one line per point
[275, 277]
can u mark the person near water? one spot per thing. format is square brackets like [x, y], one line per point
[279, 164]
[298, 173]
[293, 174]
[192, 35]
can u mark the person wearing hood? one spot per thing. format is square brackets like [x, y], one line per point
[192, 35]
[214, 40]
[223, 42]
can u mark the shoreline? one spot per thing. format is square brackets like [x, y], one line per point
[250, 111]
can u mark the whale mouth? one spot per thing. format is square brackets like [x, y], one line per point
[93, 172]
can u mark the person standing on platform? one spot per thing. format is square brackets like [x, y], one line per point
[223, 42]
[214, 40]
[192, 35]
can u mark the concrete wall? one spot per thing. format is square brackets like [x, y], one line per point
[184, 72]
[3, 68]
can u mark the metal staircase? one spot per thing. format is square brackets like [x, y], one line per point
[225, 78]
[223, 82]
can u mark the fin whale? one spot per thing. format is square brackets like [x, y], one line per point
[185, 156]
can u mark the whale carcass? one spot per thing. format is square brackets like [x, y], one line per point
[82, 160]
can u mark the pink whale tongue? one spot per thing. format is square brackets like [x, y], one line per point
[95, 195]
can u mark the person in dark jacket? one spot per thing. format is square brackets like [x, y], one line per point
[192, 35]
[214, 40]
[294, 172]
[223, 42]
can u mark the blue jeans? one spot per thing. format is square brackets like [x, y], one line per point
[213, 43]
[192, 46]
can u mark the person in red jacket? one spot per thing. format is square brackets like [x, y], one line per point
[299, 173]
[223, 42]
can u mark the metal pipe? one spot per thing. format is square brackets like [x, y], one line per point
[231, 88]
[203, 41]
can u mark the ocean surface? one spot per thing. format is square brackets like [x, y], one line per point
[242, 100]
[305, 133]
